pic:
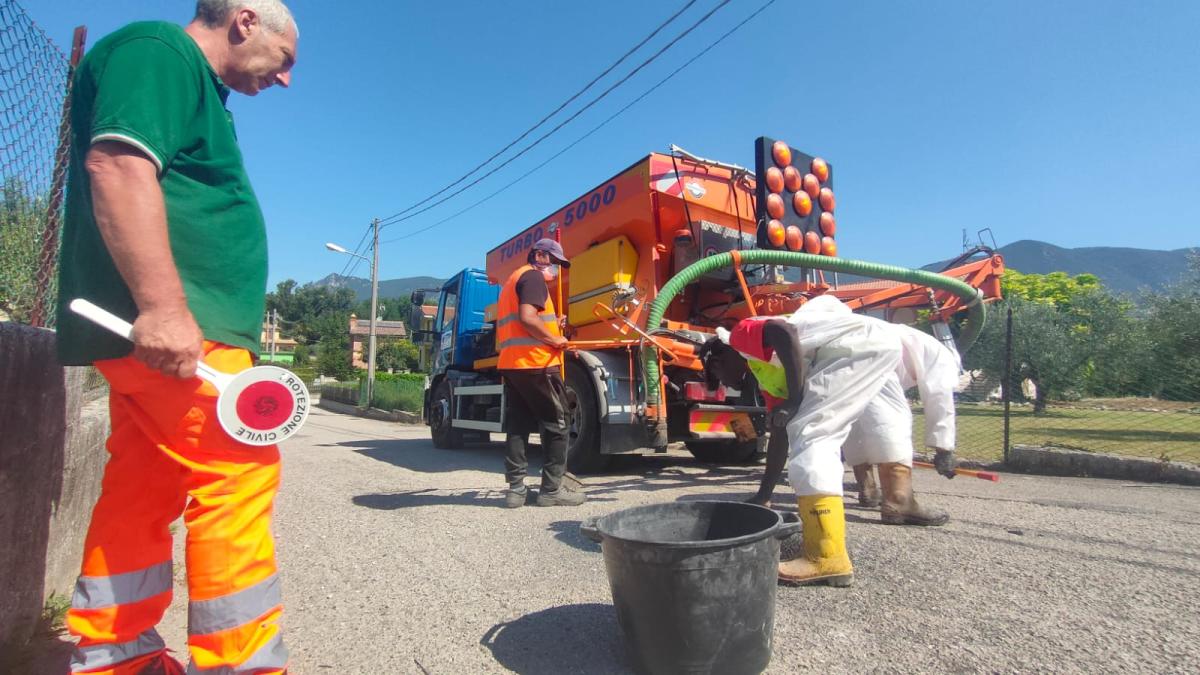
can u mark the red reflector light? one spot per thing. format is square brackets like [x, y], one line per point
[828, 246]
[811, 185]
[696, 391]
[774, 180]
[791, 178]
[812, 243]
[775, 233]
[794, 238]
[828, 224]
[781, 153]
[827, 201]
[775, 206]
[820, 169]
[802, 203]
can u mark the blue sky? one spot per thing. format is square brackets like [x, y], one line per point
[1072, 122]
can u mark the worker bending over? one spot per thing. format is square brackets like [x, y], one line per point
[883, 434]
[826, 365]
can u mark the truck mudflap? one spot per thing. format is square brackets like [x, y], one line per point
[715, 421]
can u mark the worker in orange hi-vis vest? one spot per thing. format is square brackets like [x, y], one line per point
[163, 229]
[529, 338]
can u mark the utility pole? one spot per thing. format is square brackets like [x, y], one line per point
[374, 310]
[274, 332]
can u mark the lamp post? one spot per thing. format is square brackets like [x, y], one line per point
[374, 260]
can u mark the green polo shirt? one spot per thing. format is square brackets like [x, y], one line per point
[148, 85]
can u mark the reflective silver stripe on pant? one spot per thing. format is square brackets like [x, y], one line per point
[98, 656]
[235, 609]
[272, 655]
[522, 342]
[122, 589]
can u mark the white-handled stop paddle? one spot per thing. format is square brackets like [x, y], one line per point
[262, 405]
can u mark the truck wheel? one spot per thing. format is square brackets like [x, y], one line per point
[725, 451]
[583, 421]
[445, 436]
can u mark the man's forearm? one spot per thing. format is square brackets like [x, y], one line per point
[131, 215]
[535, 325]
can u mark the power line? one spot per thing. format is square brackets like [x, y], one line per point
[552, 113]
[397, 219]
[594, 130]
[352, 263]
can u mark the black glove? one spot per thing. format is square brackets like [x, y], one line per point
[945, 461]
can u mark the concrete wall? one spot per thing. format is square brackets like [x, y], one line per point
[52, 456]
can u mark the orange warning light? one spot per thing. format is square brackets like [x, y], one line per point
[812, 243]
[828, 224]
[828, 246]
[811, 185]
[774, 180]
[794, 238]
[781, 153]
[802, 203]
[791, 178]
[775, 206]
[827, 202]
[820, 169]
[775, 233]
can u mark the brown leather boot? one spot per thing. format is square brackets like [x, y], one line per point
[868, 489]
[899, 505]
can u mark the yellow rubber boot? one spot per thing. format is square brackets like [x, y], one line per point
[825, 560]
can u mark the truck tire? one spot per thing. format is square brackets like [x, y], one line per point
[583, 422]
[445, 437]
[726, 451]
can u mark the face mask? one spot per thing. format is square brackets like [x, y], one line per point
[549, 272]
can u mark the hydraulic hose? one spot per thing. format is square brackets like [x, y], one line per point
[976, 314]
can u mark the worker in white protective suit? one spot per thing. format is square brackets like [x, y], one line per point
[826, 366]
[882, 435]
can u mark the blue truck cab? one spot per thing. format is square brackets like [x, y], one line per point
[462, 334]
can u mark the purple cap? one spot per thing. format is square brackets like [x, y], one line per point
[554, 249]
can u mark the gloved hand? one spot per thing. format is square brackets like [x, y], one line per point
[944, 462]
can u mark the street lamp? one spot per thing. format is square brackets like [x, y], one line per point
[374, 260]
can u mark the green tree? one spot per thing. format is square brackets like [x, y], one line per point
[333, 359]
[22, 222]
[397, 355]
[1173, 339]
[302, 355]
[312, 313]
[1061, 324]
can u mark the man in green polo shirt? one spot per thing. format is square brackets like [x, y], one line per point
[164, 230]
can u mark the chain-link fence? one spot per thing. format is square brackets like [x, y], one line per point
[34, 148]
[1116, 377]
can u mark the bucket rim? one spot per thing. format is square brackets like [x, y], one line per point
[708, 543]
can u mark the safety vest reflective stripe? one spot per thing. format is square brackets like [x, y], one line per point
[273, 655]
[94, 657]
[233, 610]
[521, 342]
[546, 318]
[122, 589]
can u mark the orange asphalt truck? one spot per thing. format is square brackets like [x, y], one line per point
[661, 254]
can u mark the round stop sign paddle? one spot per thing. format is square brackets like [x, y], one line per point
[262, 405]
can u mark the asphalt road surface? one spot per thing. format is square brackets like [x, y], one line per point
[399, 558]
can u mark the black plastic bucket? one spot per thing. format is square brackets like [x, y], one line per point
[694, 583]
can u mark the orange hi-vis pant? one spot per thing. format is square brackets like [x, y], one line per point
[170, 456]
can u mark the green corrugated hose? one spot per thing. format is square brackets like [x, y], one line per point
[976, 314]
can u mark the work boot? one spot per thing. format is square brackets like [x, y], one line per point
[868, 489]
[825, 560]
[560, 497]
[515, 496]
[899, 505]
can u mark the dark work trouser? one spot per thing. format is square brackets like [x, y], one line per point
[535, 400]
